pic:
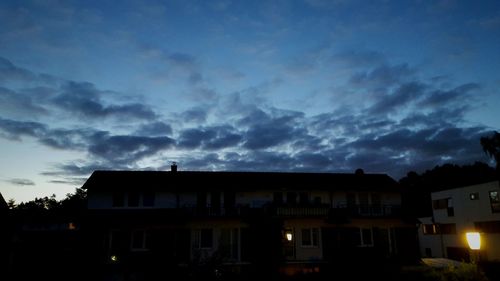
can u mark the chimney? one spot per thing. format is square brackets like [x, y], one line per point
[173, 167]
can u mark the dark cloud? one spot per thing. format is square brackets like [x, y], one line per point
[126, 148]
[72, 139]
[8, 71]
[217, 137]
[24, 182]
[441, 98]
[17, 104]
[154, 129]
[399, 98]
[383, 76]
[195, 114]
[277, 127]
[83, 98]
[74, 169]
[16, 129]
[11, 72]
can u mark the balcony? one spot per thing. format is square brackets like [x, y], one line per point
[301, 211]
[238, 211]
[368, 210]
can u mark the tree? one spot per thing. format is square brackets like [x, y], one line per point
[491, 146]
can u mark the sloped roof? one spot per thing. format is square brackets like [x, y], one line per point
[210, 181]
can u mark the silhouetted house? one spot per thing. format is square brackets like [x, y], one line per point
[292, 222]
[460, 210]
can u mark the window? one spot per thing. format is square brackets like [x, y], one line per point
[139, 240]
[203, 238]
[133, 199]
[449, 209]
[366, 237]
[448, 228]
[278, 198]
[117, 241]
[201, 199]
[310, 237]
[303, 198]
[229, 199]
[446, 203]
[118, 199]
[291, 198]
[474, 196]
[229, 243]
[429, 229]
[495, 201]
[148, 199]
[440, 204]
[376, 204]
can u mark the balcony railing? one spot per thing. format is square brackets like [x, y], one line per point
[300, 211]
[368, 210]
[324, 210]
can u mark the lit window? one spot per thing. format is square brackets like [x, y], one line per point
[474, 196]
[495, 201]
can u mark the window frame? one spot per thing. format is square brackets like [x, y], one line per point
[314, 237]
[144, 242]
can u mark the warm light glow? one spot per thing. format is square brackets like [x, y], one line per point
[289, 236]
[474, 240]
[114, 258]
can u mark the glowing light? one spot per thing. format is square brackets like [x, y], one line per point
[113, 258]
[289, 236]
[474, 240]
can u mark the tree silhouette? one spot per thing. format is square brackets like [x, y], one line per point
[491, 146]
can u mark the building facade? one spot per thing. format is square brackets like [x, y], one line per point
[237, 221]
[460, 210]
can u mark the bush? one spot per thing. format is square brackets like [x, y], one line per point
[463, 272]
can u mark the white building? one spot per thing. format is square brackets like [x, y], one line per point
[457, 211]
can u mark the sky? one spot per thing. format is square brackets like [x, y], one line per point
[290, 86]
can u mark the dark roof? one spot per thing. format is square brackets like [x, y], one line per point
[200, 181]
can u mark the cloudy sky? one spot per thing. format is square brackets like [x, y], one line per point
[323, 86]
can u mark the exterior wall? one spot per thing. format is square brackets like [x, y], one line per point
[466, 213]
[432, 242]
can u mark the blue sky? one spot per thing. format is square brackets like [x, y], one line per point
[322, 86]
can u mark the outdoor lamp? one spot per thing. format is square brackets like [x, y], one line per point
[474, 240]
[288, 235]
